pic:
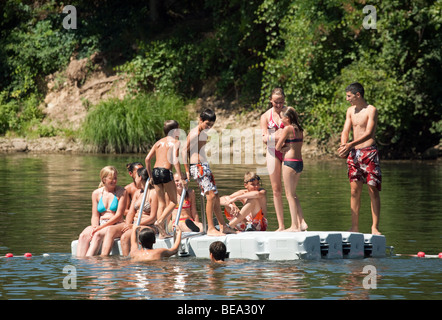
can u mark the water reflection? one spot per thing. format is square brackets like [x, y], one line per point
[46, 204]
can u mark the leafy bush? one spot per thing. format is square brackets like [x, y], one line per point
[322, 47]
[314, 49]
[132, 124]
[17, 115]
[35, 52]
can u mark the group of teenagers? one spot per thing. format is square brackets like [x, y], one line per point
[115, 209]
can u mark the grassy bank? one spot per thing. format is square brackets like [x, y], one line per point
[132, 124]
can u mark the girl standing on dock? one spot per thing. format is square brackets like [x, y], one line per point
[270, 125]
[292, 137]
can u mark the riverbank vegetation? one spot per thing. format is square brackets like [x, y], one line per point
[131, 124]
[313, 49]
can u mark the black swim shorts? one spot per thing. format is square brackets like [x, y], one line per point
[161, 175]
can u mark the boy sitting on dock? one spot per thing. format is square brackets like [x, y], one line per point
[200, 171]
[166, 153]
[252, 216]
[145, 236]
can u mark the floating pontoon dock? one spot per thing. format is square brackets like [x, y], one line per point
[270, 245]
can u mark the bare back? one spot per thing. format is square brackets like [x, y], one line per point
[149, 254]
[292, 132]
[165, 150]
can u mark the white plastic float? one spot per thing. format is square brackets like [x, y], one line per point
[268, 245]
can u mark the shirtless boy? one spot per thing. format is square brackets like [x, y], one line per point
[252, 215]
[197, 166]
[217, 252]
[146, 237]
[363, 157]
[166, 153]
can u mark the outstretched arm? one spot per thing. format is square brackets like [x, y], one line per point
[170, 252]
[185, 156]
[133, 239]
[148, 158]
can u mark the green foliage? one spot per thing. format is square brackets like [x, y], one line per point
[132, 124]
[195, 51]
[314, 49]
[31, 47]
[157, 69]
[324, 47]
[19, 114]
[34, 50]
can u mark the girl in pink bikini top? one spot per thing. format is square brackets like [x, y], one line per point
[272, 124]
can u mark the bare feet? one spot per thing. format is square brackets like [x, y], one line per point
[214, 232]
[304, 226]
[280, 229]
[292, 229]
[227, 230]
[375, 231]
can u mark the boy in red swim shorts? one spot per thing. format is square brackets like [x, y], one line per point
[252, 216]
[362, 154]
[363, 165]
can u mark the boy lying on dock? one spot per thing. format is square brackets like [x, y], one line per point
[252, 216]
[145, 236]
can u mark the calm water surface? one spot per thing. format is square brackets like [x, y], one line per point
[45, 202]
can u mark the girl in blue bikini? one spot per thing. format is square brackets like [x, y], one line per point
[292, 138]
[108, 206]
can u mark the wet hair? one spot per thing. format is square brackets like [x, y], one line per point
[170, 125]
[354, 88]
[208, 115]
[218, 250]
[293, 117]
[131, 166]
[106, 171]
[146, 237]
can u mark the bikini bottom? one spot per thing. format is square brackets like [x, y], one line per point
[295, 164]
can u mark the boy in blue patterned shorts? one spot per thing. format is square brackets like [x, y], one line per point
[200, 171]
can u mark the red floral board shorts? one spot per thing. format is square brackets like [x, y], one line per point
[363, 165]
[259, 222]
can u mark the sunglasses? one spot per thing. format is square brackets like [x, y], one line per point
[253, 179]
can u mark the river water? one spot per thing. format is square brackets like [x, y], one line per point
[45, 202]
